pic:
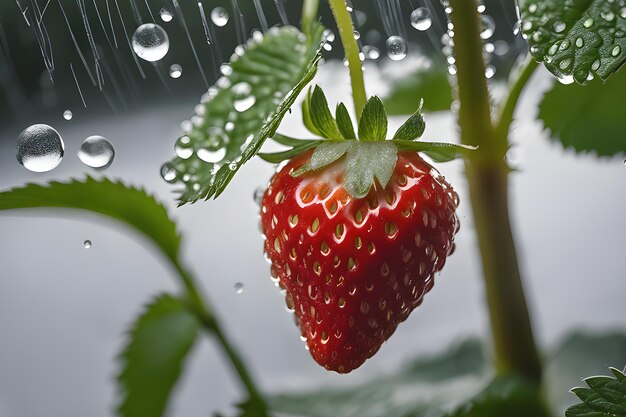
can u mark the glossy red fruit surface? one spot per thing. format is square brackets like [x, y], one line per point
[353, 269]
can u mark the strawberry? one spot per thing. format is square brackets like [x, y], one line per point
[355, 262]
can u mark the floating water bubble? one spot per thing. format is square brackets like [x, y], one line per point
[244, 104]
[96, 152]
[67, 115]
[176, 71]
[259, 192]
[396, 48]
[168, 173]
[371, 52]
[150, 42]
[219, 16]
[421, 18]
[87, 244]
[238, 287]
[489, 26]
[166, 15]
[39, 148]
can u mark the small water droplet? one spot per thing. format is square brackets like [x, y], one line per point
[559, 27]
[357, 35]
[168, 173]
[232, 166]
[565, 79]
[244, 104]
[489, 26]
[371, 52]
[259, 192]
[595, 65]
[67, 115]
[580, 42]
[176, 71]
[87, 244]
[608, 16]
[616, 51]
[239, 288]
[150, 42]
[166, 15]
[212, 156]
[421, 18]
[396, 48]
[96, 152]
[219, 16]
[622, 12]
[39, 148]
[490, 71]
[588, 23]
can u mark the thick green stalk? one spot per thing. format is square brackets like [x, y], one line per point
[487, 175]
[351, 50]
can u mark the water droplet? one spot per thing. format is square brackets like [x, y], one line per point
[565, 63]
[150, 42]
[608, 16]
[396, 48]
[490, 71]
[238, 288]
[87, 244]
[559, 27]
[489, 26]
[39, 148]
[595, 65]
[501, 47]
[580, 42]
[259, 192]
[211, 156]
[244, 104]
[232, 166]
[219, 16]
[616, 51]
[357, 35]
[371, 52]
[166, 15]
[622, 12]
[588, 23]
[67, 115]
[421, 18]
[565, 79]
[176, 71]
[242, 89]
[532, 8]
[96, 152]
[182, 148]
[168, 173]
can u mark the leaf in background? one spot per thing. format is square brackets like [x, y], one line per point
[576, 38]
[605, 396]
[373, 123]
[589, 118]
[152, 361]
[245, 107]
[344, 122]
[413, 128]
[437, 151]
[321, 117]
[429, 83]
[115, 200]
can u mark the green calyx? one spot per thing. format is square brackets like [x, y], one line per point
[370, 158]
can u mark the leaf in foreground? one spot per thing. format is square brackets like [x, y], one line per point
[152, 361]
[589, 118]
[245, 107]
[576, 39]
[132, 206]
[606, 396]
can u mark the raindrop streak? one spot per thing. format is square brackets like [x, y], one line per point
[239, 288]
[39, 148]
[87, 244]
[396, 48]
[67, 115]
[421, 18]
[150, 42]
[166, 15]
[96, 152]
[219, 16]
[176, 71]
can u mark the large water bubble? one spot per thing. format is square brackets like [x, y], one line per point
[39, 148]
[96, 152]
[150, 42]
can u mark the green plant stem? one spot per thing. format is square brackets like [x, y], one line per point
[211, 325]
[351, 50]
[487, 175]
[505, 118]
[309, 14]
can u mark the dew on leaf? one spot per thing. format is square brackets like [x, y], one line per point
[565, 79]
[588, 23]
[616, 51]
[421, 18]
[40, 148]
[67, 115]
[175, 71]
[608, 16]
[580, 42]
[559, 27]
[244, 104]
[622, 12]
[396, 48]
[168, 173]
[219, 16]
[96, 152]
[211, 156]
[595, 65]
[150, 42]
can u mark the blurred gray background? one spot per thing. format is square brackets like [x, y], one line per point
[64, 309]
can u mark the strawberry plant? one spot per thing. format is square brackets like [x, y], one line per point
[357, 222]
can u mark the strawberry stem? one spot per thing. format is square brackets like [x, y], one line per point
[487, 175]
[351, 50]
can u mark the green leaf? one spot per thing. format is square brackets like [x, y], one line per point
[131, 206]
[275, 158]
[373, 123]
[159, 342]
[344, 122]
[437, 151]
[605, 396]
[321, 117]
[413, 128]
[366, 162]
[429, 83]
[325, 154]
[243, 109]
[576, 38]
[306, 115]
[589, 118]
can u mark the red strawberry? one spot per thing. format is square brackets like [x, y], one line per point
[354, 268]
